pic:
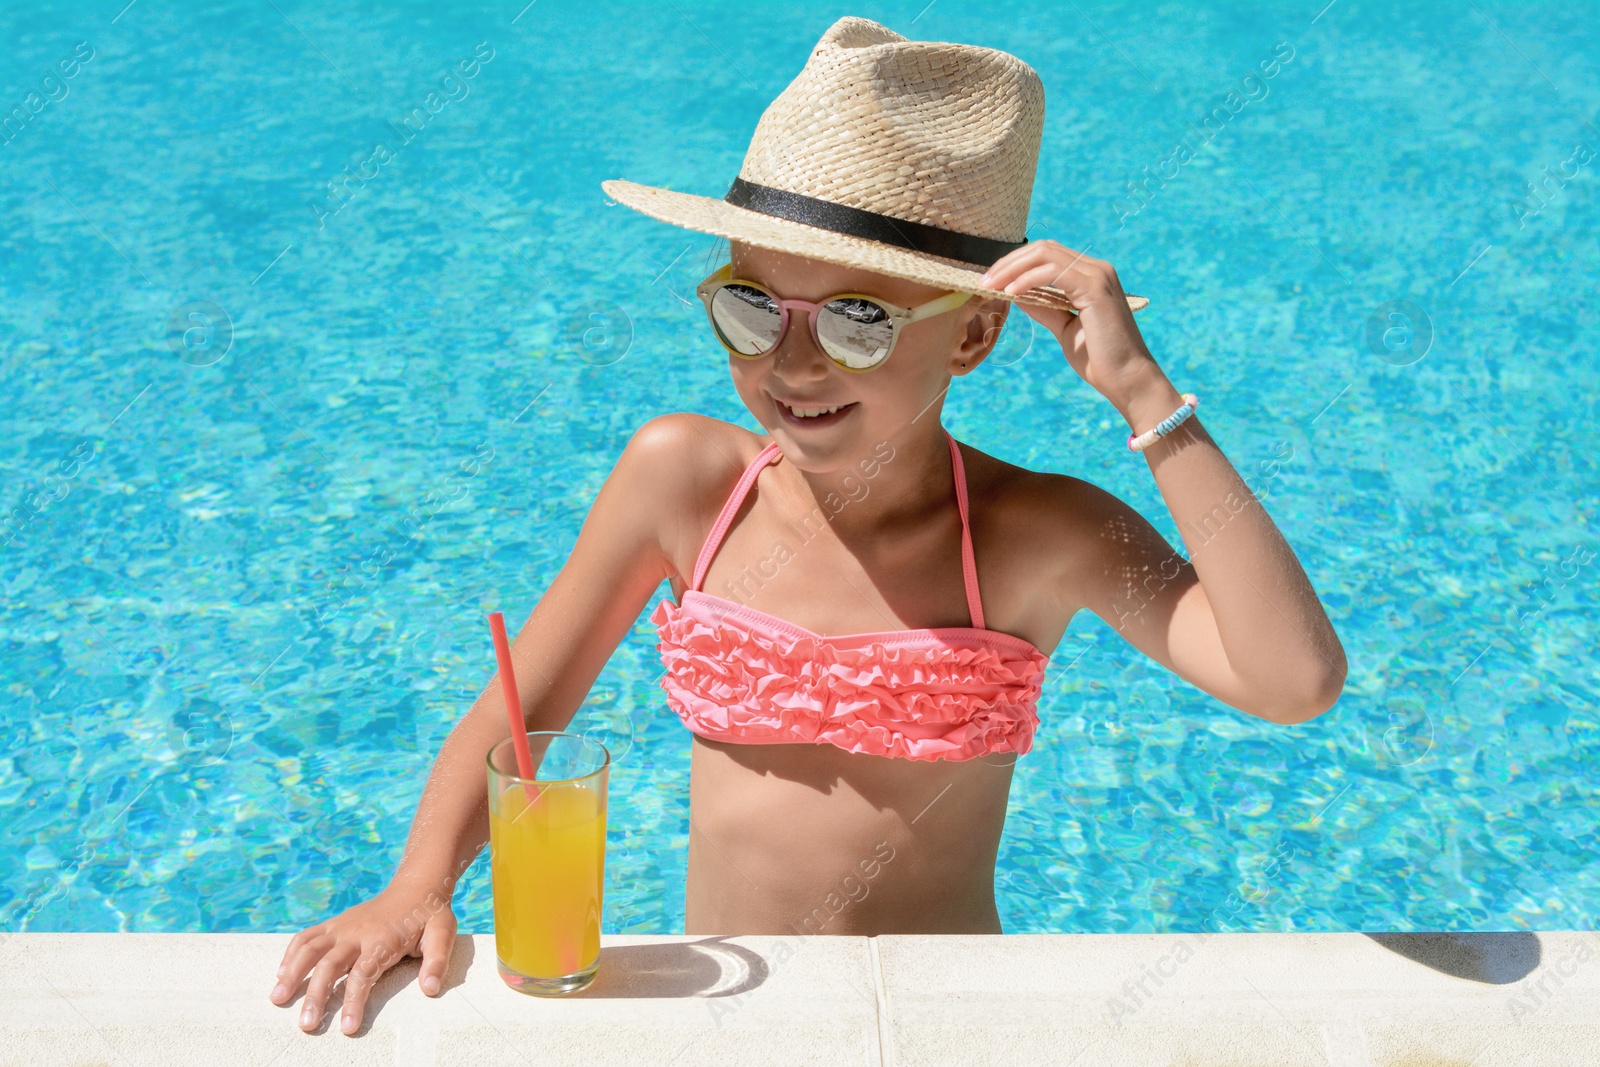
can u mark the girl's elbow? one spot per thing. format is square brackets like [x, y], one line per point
[1292, 709]
[1332, 683]
[1321, 699]
[1327, 676]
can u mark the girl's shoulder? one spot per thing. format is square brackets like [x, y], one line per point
[696, 447]
[679, 469]
[691, 461]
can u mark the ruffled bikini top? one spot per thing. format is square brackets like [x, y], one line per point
[740, 675]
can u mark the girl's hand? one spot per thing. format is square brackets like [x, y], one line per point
[1101, 342]
[365, 941]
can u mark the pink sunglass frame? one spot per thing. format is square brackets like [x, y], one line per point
[899, 316]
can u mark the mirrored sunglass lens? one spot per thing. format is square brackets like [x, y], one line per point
[855, 332]
[747, 318]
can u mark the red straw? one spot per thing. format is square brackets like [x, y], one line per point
[508, 686]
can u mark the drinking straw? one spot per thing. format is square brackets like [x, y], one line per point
[508, 686]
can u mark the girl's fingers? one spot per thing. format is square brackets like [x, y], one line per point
[437, 941]
[1044, 274]
[288, 950]
[1008, 266]
[303, 952]
[1058, 269]
[323, 976]
[367, 970]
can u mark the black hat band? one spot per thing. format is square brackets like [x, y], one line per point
[856, 222]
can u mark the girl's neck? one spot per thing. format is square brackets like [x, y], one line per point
[900, 478]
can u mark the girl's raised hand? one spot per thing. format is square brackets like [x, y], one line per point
[1101, 342]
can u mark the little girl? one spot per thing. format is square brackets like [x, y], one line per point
[862, 608]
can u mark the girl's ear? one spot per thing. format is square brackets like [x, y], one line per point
[985, 318]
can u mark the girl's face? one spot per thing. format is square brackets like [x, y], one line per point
[875, 405]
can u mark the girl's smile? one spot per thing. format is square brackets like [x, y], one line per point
[814, 416]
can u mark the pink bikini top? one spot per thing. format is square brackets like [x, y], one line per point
[740, 675]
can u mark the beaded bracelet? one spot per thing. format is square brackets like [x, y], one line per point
[1166, 425]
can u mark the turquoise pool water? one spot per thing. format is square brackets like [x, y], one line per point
[269, 455]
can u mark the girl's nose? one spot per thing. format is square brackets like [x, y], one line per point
[798, 359]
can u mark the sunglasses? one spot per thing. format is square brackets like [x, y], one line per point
[854, 330]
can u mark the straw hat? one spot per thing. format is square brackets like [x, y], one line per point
[913, 159]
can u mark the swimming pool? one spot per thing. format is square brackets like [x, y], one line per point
[273, 448]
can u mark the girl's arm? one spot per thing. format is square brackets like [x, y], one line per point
[616, 565]
[623, 552]
[1239, 619]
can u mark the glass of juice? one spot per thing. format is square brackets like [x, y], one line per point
[547, 858]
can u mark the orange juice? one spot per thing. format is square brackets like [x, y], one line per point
[547, 865]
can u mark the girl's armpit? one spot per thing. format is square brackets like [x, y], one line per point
[1124, 571]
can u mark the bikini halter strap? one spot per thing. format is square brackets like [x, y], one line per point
[771, 454]
[969, 566]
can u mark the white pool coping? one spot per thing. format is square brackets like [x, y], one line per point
[1340, 1000]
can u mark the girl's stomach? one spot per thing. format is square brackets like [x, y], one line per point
[811, 839]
